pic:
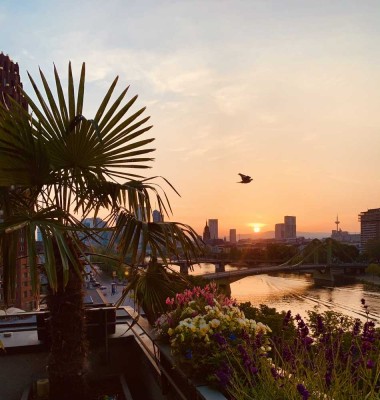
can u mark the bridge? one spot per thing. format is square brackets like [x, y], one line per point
[322, 257]
[326, 269]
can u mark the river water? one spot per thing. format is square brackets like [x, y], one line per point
[300, 293]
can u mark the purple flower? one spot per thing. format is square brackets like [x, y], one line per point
[370, 364]
[328, 378]
[307, 341]
[287, 319]
[223, 375]
[303, 391]
[356, 328]
[320, 325]
[189, 354]
[274, 373]
[220, 339]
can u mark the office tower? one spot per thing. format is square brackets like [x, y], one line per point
[10, 86]
[290, 227]
[157, 216]
[369, 226]
[206, 233]
[232, 236]
[279, 231]
[213, 225]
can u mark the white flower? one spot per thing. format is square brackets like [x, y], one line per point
[214, 323]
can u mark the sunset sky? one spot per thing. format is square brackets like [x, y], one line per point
[285, 91]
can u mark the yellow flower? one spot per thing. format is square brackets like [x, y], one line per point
[215, 323]
[170, 331]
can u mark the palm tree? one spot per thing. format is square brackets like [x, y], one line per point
[58, 167]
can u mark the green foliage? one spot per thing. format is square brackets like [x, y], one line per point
[373, 249]
[329, 357]
[268, 316]
[373, 269]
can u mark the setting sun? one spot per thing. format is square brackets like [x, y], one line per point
[256, 227]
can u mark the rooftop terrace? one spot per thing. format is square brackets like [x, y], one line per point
[123, 354]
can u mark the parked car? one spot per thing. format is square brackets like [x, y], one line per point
[103, 287]
[95, 284]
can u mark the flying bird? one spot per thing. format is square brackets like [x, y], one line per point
[245, 178]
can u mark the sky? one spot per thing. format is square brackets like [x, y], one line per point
[287, 92]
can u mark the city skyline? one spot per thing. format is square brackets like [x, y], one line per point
[285, 92]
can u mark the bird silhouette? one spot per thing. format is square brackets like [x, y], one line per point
[245, 178]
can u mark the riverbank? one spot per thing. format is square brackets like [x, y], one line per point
[371, 279]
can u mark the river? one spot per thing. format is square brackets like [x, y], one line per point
[300, 293]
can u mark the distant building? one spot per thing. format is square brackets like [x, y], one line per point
[279, 231]
[206, 233]
[157, 216]
[232, 236]
[369, 226]
[287, 229]
[345, 237]
[213, 225]
[290, 227]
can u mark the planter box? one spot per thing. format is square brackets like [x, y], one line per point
[174, 379]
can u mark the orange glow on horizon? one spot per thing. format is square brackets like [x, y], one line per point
[256, 226]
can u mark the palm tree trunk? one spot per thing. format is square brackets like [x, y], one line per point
[68, 340]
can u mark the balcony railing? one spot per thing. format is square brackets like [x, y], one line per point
[113, 335]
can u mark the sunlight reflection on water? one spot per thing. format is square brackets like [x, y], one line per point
[300, 293]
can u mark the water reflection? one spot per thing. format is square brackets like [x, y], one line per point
[300, 293]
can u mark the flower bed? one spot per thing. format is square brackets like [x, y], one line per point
[327, 356]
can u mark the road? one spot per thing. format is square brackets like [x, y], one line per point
[105, 296]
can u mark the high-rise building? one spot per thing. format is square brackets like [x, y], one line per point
[290, 227]
[232, 236]
[10, 87]
[213, 225]
[369, 226]
[287, 229]
[206, 233]
[279, 231]
[157, 216]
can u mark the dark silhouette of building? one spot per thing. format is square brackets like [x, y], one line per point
[10, 83]
[206, 234]
[10, 87]
[369, 226]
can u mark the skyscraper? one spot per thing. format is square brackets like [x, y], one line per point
[290, 227]
[213, 225]
[286, 230]
[157, 216]
[232, 236]
[279, 231]
[369, 226]
[206, 233]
